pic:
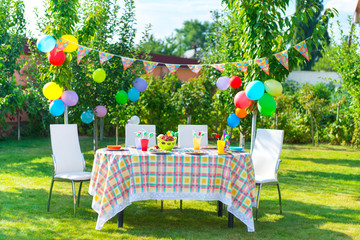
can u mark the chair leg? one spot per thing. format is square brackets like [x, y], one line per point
[79, 194]
[278, 187]
[180, 205]
[220, 208]
[162, 205]
[120, 219]
[51, 187]
[257, 201]
[74, 195]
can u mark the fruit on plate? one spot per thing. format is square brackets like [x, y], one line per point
[166, 142]
[114, 147]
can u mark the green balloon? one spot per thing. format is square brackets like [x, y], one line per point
[99, 75]
[121, 97]
[266, 105]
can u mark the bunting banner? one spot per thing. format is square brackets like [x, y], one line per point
[82, 51]
[263, 64]
[172, 67]
[242, 66]
[61, 44]
[302, 48]
[127, 62]
[149, 66]
[283, 58]
[220, 67]
[104, 57]
[195, 68]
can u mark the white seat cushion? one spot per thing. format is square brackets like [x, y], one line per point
[74, 176]
[262, 179]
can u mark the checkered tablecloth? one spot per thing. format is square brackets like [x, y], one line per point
[119, 178]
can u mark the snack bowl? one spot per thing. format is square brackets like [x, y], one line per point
[166, 145]
[114, 147]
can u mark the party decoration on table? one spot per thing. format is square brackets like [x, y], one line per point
[197, 136]
[149, 66]
[46, 43]
[104, 57]
[282, 57]
[195, 68]
[172, 67]
[99, 75]
[225, 137]
[242, 66]
[134, 120]
[127, 62]
[166, 142]
[140, 84]
[133, 94]
[82, 51]
[235, 82]
[57, 107]
[220, 67]
[60, 45]
[56, 58]
[72, 43]
[87, 116]
[143, 138]
[100, 111]
[121, 97]
[52, 91]
[266, 105]
[217, 136]
[233, 120]
[70, 98]
[223, 83]
[255, 90]
[241, 100]
[263, 64]
[302, 48]
[241, 113]
[273, 87]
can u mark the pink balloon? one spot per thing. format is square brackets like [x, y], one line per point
[100, 111]
[70, 98]
[241, 100]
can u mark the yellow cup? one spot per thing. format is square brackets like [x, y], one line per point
[221, 146]
[197, 142]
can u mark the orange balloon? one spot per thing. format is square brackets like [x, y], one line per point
[241, 113]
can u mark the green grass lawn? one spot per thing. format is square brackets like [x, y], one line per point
[320, 190]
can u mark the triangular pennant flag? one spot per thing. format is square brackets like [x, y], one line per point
[195, 68]
[263, 64]
[61, 44]
[172, 67]
[104, 57]
[149, 66]
[302, 48]
[220, 67]
[242, 66]
[283, 58]
[82, 51]
[127, 62]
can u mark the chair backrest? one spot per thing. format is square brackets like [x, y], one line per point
[66, 148]
[186, 135]
[130, 134]
[266, 151]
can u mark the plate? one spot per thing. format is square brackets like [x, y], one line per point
[209, 148]
[161, 153]
[121, 149]
[236, 149]
[113, 147]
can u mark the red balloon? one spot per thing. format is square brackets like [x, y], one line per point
[56, 59]
[235, 82]
[241, 100]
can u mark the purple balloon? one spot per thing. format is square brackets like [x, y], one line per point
[223, 83]
[70, 98]
[140, 84]
[100, 111]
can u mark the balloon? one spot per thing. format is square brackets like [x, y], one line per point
[72, 44]
[273, 87]
[223, 83]
[56, 59]
[46, 43]
[133, 94]
[87, 116]
[99, 75]
[255, 90]
[235, 82]
[266, 105]
[57, 107]
[233, 120]
[121, 97]
[70, 98]
[241, 113]
[134, 120]
[52, 91]
[241, 100]
[100, 111]
[140, 84]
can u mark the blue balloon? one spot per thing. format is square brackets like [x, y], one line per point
[87, 116]
[46, 43]
[133, 94]
[140, 84]
[57, 107]
[233, 120]
[255, 90]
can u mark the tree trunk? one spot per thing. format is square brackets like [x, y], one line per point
[337, 113]
[95, 134]
[242, 140]
[317, 132]
[117, 134]
[312, 131]
[231, 130]
[253, 129]
[101, 128]
[188, 119]
[18, 124]
[217, 119]
[276, 119]
[66, 116]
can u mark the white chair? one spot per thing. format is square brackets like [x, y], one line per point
[266, 159]
[69, 162]
[130, 134]
[186, 135]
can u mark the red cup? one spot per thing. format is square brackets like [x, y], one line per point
[144, 144]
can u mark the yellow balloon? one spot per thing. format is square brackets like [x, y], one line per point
[273, 87]
[73, 44]
[52, 91]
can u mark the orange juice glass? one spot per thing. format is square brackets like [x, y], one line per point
[197, 142]
[221, 146]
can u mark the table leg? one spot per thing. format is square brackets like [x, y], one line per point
[121, 219]
[220, 208]
[231, 220]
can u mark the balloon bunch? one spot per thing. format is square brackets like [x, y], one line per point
[134, 120]
[133, 94]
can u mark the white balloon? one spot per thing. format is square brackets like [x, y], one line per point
[134, 120]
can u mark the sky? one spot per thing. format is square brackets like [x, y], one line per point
[165, 15]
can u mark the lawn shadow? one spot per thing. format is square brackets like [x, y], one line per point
[306, 147]
[339, 162]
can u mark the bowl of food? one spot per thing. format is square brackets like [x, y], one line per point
[166, 142]
[114, 147]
